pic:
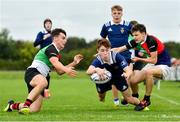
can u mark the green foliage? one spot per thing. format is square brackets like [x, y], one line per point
[75, 43]
[88, 54]
[7, 46]
[26, 52]
[15, 55]
[18, 54]
[173, 48]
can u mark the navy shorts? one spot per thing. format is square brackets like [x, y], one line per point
[29, 74]
[120, 83]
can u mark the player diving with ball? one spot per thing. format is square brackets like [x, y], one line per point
[117, 66]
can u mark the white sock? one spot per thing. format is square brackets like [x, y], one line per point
[116, 101]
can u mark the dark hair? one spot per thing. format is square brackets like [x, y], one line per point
[47, 20]
[117, 7]
[133, 22]
[103, 42]
[57, 31]
[139, 27]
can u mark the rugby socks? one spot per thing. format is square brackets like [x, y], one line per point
[147, 98]
[135, 95]
[28, 102]
[116, 101]
[15, 106]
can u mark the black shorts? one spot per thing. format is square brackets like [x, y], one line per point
[120, 83]
[138, 65]
[29, 74]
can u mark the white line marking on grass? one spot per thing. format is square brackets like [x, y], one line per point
[166, 99]
[78, 105]
[168, 116]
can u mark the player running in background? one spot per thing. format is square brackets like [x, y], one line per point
[117, 65]
[158, 62]
[117, 32]
[35, 76]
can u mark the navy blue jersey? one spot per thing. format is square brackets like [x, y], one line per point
[116, 66]
[117, 34]
[40, 41]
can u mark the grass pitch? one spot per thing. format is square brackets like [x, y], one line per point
[75, 99]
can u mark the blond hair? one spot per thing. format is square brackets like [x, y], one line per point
[116, 7]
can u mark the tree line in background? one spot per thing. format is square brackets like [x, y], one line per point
[18, 54]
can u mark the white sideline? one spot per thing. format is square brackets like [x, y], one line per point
[165, 99]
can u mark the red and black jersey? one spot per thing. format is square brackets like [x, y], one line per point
[52, 51]
[152, 44]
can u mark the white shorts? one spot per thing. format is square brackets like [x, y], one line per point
[166, 70]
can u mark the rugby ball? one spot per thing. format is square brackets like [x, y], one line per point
[96, 79]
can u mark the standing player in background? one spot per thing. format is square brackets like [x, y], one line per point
[117, 31]
[158, 62]
[45, 60]
[43, 39]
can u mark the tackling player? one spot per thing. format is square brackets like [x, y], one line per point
[158, 61]
[35, 76]
[43, 39]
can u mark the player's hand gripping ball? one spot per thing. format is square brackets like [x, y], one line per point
[96, 79]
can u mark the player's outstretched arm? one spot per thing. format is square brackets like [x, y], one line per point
[99, 71]
[76, 61]
[59, 67]
[152, 59]
[120, 49]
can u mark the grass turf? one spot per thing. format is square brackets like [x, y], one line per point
[75, 99]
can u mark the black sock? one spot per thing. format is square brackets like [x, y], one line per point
[135, 95]
[147, 98]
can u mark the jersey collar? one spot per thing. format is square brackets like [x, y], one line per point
[56, 47]
[120, 23]
[45, 31]
[144, 40]
[102, 62]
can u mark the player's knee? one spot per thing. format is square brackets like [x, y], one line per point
[133, 82]
[128, 99]
[148, 73]
[33, 110]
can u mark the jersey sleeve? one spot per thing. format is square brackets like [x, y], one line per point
[104, 32]
[129, 28]
[121, 61]
[51, 52]
[152, 45]
[39, 39]
[131, 44]
[96, 63]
